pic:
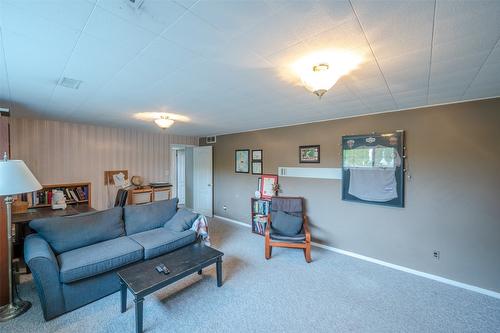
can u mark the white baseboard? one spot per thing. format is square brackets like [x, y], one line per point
[393, 266]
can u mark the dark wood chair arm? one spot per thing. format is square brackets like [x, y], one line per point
[306, 229]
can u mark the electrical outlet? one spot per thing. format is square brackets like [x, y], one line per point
[224, 207]
[436, 254]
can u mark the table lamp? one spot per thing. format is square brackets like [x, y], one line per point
[15, 178]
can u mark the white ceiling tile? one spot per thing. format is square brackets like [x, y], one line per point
[232, 17]
[153, 15]
[196, 35]
[68, 14]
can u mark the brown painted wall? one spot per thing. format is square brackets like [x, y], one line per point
[452, 199]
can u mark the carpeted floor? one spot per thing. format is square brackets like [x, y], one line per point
[334, 293]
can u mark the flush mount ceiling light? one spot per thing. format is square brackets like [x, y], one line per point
[163, 119]
[164, 122]
[321, 70]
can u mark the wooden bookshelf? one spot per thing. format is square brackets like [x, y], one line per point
[44, 199]
[260, 213]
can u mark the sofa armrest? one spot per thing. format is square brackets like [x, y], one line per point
[43, 264]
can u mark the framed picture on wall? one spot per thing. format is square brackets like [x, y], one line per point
[268, 183]
[242, 161]
[257, 155]
[309, 154]
[256, 167]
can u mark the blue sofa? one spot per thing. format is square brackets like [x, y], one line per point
[74, 259]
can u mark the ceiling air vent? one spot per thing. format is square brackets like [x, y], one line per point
[70, 83]
[211, 139]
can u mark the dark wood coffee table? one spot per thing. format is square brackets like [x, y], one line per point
[143, 279]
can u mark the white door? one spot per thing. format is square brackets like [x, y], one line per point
[181, 176]
[202, 180]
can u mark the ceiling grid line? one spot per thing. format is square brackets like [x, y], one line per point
[431, 52]
[481, 67]
[71, 55]
[373, 53]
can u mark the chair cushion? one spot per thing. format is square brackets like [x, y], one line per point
[98, 258]
[139, 218]
[286, 224]
[67, 233]
[161, 240]
[181, 221]
[298, 238]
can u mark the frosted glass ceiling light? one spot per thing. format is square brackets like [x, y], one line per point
[321, 70]
[164, 122]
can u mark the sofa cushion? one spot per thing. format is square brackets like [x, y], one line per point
[181, 221]
[98, 258]
[72, 232]
[161, 240]
[149, 216]
[286, 224]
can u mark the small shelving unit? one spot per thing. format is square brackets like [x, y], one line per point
[75, 193]
[261, 211]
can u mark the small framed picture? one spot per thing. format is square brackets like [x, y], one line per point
[309, 154]
[256, 167]
[267, 187]
[257, 155]
[242, 161]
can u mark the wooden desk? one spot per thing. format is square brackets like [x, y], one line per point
[20, 222]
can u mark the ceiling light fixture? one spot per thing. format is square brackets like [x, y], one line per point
[164, 122]
[321, 70]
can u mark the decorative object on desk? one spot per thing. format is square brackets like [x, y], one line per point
[15, 178]
[108, 176]
[241, 161]
[276, 189]
[309, 154]
[256, 167]
[260, 210]
[58, 199]
[257, 155]
[137, 180]
[373, 168]
[267, 187]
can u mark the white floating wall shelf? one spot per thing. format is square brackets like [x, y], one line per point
[321, 173]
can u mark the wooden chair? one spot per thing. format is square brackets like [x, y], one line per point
[292, 206]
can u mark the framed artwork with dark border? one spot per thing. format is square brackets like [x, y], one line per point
[242, 161]
[373, 168]
[257, 155]
[309, 154]
[256, 167]
[266, 187]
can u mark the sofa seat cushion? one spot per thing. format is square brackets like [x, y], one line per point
[98, 258]
[161, 240]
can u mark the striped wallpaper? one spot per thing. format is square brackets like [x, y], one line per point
[61, 152]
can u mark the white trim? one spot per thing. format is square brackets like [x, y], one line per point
[357, 115]
[393, 266]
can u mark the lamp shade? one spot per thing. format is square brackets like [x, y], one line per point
[16, 178]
